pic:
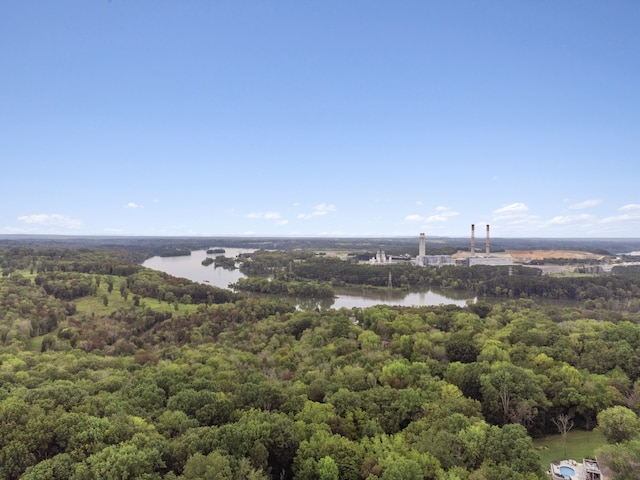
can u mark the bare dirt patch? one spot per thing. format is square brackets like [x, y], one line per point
[529, 255]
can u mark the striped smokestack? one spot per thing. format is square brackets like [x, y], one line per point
[488, 249]
[473, 239]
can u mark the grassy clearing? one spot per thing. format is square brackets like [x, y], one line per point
[94, 304]
[580, 444]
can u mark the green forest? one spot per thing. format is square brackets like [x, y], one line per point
[110, 370]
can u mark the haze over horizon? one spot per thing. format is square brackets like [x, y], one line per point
[320, 119]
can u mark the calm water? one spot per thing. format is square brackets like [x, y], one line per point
[191, 267]
[363, 297]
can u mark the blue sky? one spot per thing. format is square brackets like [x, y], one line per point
[318, 118]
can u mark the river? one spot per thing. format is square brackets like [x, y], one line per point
[190, 266]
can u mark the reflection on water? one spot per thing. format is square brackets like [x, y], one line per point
[369, 297]
[191, 267]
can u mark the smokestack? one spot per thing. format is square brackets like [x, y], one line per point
[421, 248]
[488, 249]
[473, 239]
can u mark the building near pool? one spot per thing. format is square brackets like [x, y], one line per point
[572, 470]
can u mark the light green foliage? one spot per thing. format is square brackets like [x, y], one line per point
[250, 388]
[473, 438]
[622, 458]
[145, 396]
[511, 446]
[172, 423]
[314, 412]
[369, 340]
[506, 388]
[327, 469]
[59, 467]
[396, 466]
[580, 444]
[117, 462]
[81, 435]
[397, 374]
[618, 424]
[393, 454]
[494, 351]
[346, 455]
[214, 466]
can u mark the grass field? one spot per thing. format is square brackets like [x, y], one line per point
[95, 303]
[580, 444]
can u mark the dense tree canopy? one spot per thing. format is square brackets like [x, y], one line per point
[173, 379]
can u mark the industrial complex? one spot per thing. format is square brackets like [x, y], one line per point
[472, 258]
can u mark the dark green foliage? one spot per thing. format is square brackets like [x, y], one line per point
[150, 283]
[280, 287]
[253, 388]
[461, 348]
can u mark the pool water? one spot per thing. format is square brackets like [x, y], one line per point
[567, 471]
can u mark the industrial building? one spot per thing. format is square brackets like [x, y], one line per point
[382, 258]
[423, 260]
[474, 258]
[487, 258]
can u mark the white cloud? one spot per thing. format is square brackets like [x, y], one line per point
[282, 222]
[443, 215]
[318, 211]
[14, 230]
[446, 212]
[585, 204]
[511, 209]
[132, 205]
[514, 214]
[51, 220]
[626, 217]
[514, 218]
[264, 215]
[569, 219]
[323, 209]
[631, 206]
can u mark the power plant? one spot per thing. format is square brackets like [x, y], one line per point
[487, 258]
[473, 239]
[469, 259]
[487, 251]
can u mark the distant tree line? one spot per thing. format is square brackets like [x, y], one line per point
[279, 287]
[621, 289]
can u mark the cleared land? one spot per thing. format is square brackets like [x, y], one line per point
[580, 444]
[529, 255]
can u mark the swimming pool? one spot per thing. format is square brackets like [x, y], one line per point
[567, 471]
